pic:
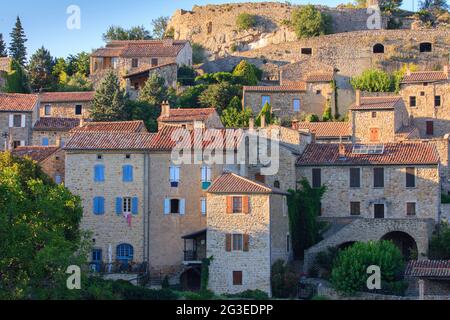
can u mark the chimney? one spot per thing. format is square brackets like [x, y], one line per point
[294, 124]
[446, 70]
[358, 98]
[341, 150]
[263, 121]
[165, 109]
[58, 141]
[408, 71]
[81, 122]
[168, 42]
[251, 123]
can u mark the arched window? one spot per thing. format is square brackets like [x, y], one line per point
[276, 184]
[124, 252]
[378, 48]
[425, 47]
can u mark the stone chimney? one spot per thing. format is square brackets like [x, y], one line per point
[341, 150]
[81, 122]
[165, 109]
[168, 42]
[408, 71]
[446, 70]
[58, 141]
[263, 121]
[251, 123]
[358, 98]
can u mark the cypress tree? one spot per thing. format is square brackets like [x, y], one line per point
[109, 100]
[3, 52]
[17, 48]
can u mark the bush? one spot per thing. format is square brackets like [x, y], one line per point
[198, 53]
[440, 243]
[200, 295]
[373, 80]
[129, 291]
[327, 114]
[349, 274]
[186, 75]
[249, 294]
[325, 260]
[245, 21]
[312, 118]
[320, 298]
[284, 280]
[165, 283]
[310, 22]
[247, 73]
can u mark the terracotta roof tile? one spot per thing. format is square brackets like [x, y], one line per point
[141, 48]
[425, 76]
[326, 129]
[34, 152]
[233, 183]
[56, 124]
[318, 154]
[428, 268]
[377, 103]
[188, 114]
[300, 86]
[82, 96]
[116, 126]
[18, 102]
[319, 77]
[96, 140]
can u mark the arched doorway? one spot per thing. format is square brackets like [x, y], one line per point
[404, 242]
[378, 48]
[190, 279]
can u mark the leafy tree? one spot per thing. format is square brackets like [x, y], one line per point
[284, 280]
[389, 6]
[3, 51]
[16, 79]
[440, 243]
[327, 114]
[40, 70]
[190, 98]
[142, 110]
[159, 27]
[304, 205]
[59, 71]
[246, 73]
[312, 118]
[17, 49]
[310, 22]
[39, 232]
[119, 33]
[217, 77]
[219, 95]
[245, 21]
[79, 63]
[265, 112]
[234, 116]
[186, 75]
[349, 274]
[154, 91]
[434, 5]
[109, 99]
[373, 80]
[398, 75]
[198, 53]
[77, 82]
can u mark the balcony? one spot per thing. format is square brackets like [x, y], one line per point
[194, 247]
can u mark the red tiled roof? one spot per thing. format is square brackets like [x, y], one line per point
[319, 77]
[17, 102]
[97, 140]
[116, 126]
[428, 268]
[188, 114]
[377, 103]
[425, 76]
[233, 183]
[56, 124]
[326, 129]
[141, 48]
[81, 96]
[35, 153]
[146, 68]
[300, 86]
[319, 154]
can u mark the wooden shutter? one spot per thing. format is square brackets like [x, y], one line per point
[182, 206]
[245, 204]
[229, 204]
[237, 278]
[228, 242]
[11, 120]
[374, 134]
[118, 205]
[430, 128]
[316, 178]
[23, 120]
[135, 206]
[166, 206]
[246, 240]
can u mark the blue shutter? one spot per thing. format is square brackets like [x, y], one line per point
[135, 205]
[119, 205]
[45, 142]
[95, 206]
[182, 206]
[127, 172]
[99, 205]
[99, 173]
[166, 206]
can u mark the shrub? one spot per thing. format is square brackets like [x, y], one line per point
[247, 73]
[349, 274]
[440, 243]
[373, 80]
[186, 75]
[284, 280]
[325, 259]
[312, 118]
[198, 53]
[327, 115]
[249, 294]
[310, 22]
[200, 295]
[245, 21]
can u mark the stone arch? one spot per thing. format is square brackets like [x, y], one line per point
[425, 47]
[405, 242]
[190, 279]
[378, 48]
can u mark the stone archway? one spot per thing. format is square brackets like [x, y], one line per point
[190, 279]
[405, 242]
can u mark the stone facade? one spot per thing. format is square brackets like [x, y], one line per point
[54, 166]
[55, 138]
[66, 109]
[17, 135]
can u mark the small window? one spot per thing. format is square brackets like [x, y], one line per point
[422, 93]
[318, 91]
[307, 51]
[425, 47]
[378, 48]
[355, 208]
[237, 278]
[355, 177]
[134, 63]
[48, 110]
[378, 177]
[296, 105]
[437, 101]
[126, 205]
[316, 178]
[430, 128]
[154, 62]
[412, 101]
[99, 157]
[58, 179]
[264, 100]
[17, 121]
[276, 184]
[78, 110]
[238, 242]
[96, 255]
[237, 204]
[128, 156]
[410, 177]
[378, 211]
[410, 208]
[203, 206]
[374, 114]
[174, 205]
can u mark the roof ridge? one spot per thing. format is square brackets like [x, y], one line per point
[251, 181]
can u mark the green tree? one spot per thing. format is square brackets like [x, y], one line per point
[349, 274]
[245, 21]
[219, 95]
[77, 82]
[310, 22]
[3, 51]
[440, 243]
[265, 112]
[16, 79]
[186, 75]
[142, 110]
[154, 91]
[312, 118]
[159, 27]
[198, 53]
[109, 99]
[234, 116]
[434, 5]
[246, 72]
[327, 113]
[389, 6]
[79, 63]
[17, 49]
[119, 33]
[40, 70]
[59, 70]
[190, 98]
[373, 80]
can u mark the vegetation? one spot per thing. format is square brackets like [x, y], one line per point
[234, 116]
[440, 243]
[327, 114]
[373, 80]
[40, 70]
[247, 74]
[304, 206]
[17, 49]
[312, 118]
[349, 274]
[16, 79]
[119, 33]
[325, 261]
[245, 21]
[310, 22]
[389, 6]
[265, 112]
[219, 95]
[284, 280]
[186, 75]
[198, 53]
[159, 27]
[154, 91]
[3, 51]
[205, 274]
[249, 294]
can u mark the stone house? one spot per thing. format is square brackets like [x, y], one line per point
[189, 118]
[428, 278]
[66, 104]
[18, 114]
[248, 231]
[49, 131]
[51, 159]
[111, 126]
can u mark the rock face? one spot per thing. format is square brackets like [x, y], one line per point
[214, 26]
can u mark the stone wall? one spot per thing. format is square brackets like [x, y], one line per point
[280, 240]
[16, 134]
[54, 137]
[55, 165]
[66, 109]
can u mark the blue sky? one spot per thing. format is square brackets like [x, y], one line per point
[45, 23]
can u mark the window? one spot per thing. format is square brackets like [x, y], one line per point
[410, 208]
[374, 114]
[412, 101]
[206, 177]
[378, 177]
[296, 105]
[276, 184]
[318, 91]
[316, 178]
[306, 51]
[99, 173]
[96, 259]
[136, 86]
[99, 157]
[128, 156]
[134, 63]
[154, 62]
[355, 208]
[238, 242]
[237, 278]
[48, 110]
[124, 252]
[237, 204]
[45, 141]
[78, 109]
[174, 173]
[422, 93]
[203, 206]
[127, 173]
[437, 101]
[425, 47]
[264, 100]
[410, 177]
[17, 144]
[378, 48]
[126, 205]
[99, 205]
[355, 177]
[378, 211]
[17, 122]
[176, 206]
[429, 128]
[58, 179]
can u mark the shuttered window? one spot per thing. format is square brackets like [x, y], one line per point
[355, 208]
[238, 242]
[316, 178]
[410, 208]
[355, 177]
[378, 177]
[99, 205]
[237, 278]
[127, 173]
[410, 177]
[203, 206]
[99, 173]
